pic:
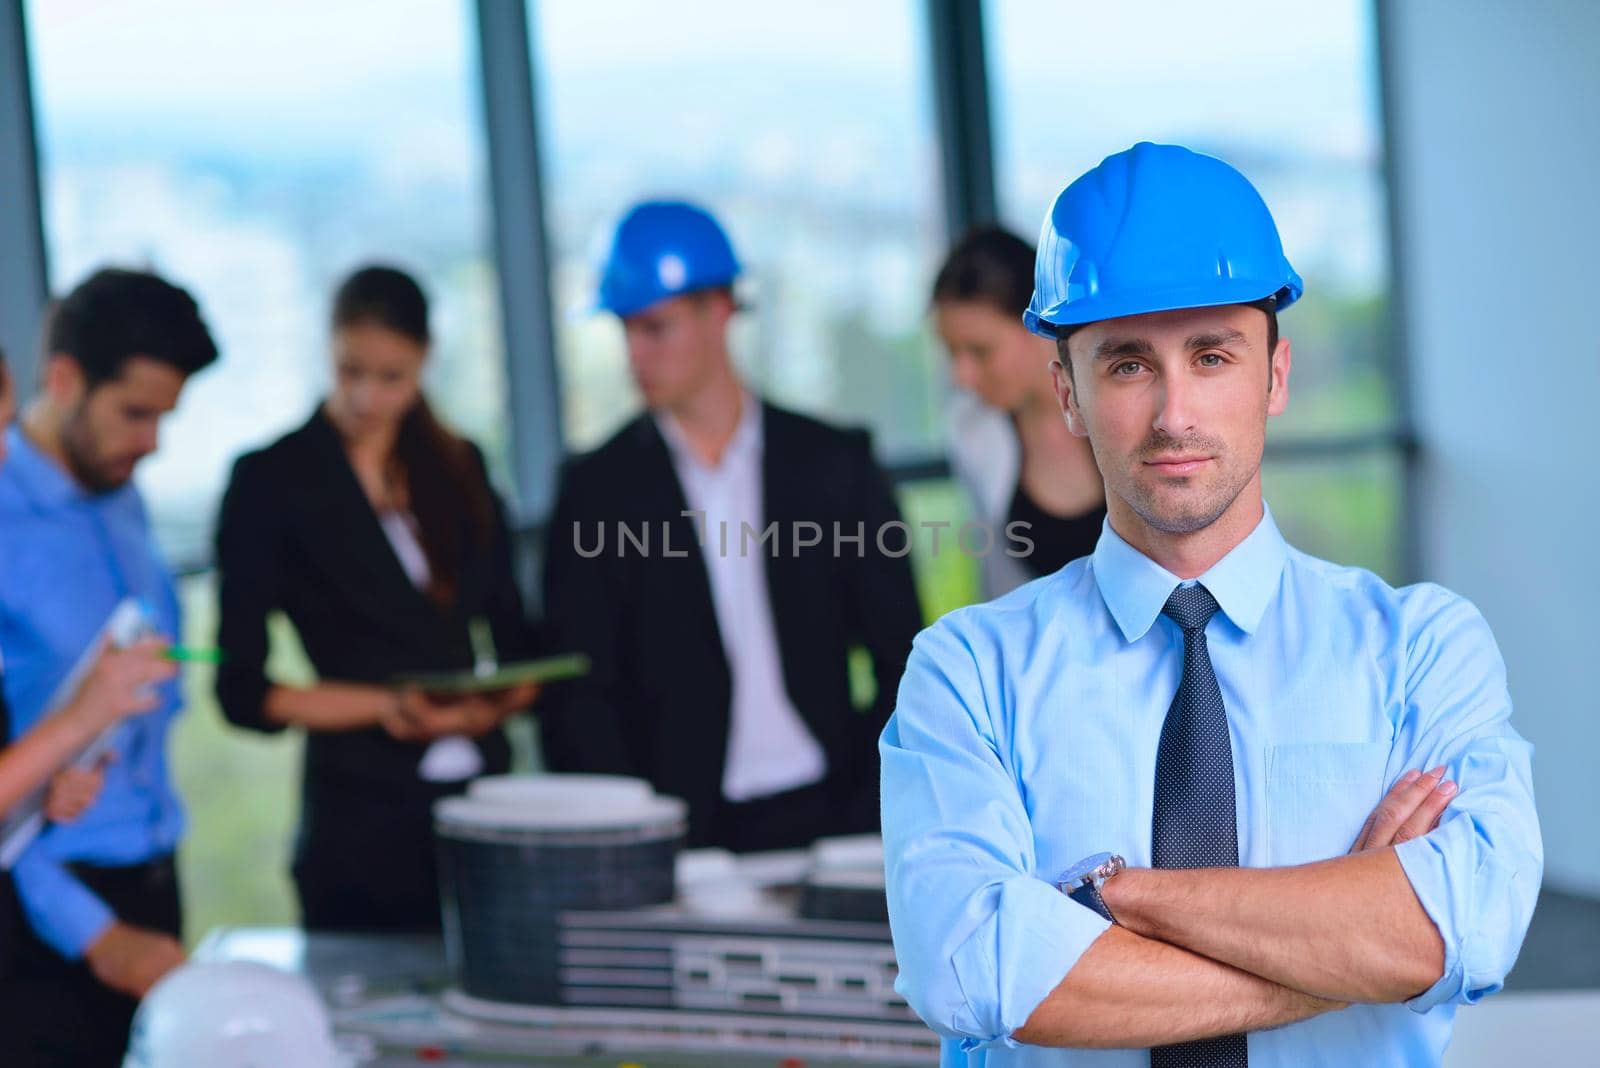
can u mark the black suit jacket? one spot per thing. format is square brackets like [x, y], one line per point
[298, 534]
[656, 703]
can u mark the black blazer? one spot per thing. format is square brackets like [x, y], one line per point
[297, 533]
[656, 703]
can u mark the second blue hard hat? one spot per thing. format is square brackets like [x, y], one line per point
[1155, 228]
[661, 249]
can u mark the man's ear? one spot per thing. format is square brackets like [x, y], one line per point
[1067, 396]
[1278, 379]
[719, 305]
[63, 380]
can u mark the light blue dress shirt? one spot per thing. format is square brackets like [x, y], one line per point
[1025, 739]
[67, 558]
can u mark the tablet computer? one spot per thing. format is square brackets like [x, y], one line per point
[503, 677]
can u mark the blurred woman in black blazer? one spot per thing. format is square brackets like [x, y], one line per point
[375, 530]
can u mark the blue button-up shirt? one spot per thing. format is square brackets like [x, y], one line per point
[67, 558]
[1025, 740]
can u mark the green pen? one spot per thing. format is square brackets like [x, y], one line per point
[185, 655]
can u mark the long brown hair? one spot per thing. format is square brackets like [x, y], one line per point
[442, 474]
[988, 266]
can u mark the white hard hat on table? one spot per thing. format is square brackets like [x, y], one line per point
[232, 1014]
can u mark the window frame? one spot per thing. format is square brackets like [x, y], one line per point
[508, 57]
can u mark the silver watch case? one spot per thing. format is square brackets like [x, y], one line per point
[1090, 871]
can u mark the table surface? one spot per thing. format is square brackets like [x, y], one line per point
[385, 996]
[384, 991]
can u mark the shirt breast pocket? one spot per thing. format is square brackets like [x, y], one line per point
[1318, 796]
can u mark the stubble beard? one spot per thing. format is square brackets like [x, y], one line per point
[1183, 509]
[77, 446]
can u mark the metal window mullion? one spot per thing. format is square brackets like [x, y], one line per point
[961, 101]
[23, 266]
[1398, 366]
[522, 255]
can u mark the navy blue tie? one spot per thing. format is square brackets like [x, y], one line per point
[1195, 817]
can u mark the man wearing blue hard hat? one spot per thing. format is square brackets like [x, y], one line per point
[1198, 793]
[717, 561]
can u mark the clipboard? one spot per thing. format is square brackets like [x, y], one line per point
[128, 622]
[502, 677]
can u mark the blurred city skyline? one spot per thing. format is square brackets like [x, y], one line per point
[258, 155]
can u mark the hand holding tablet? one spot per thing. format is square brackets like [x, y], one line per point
[505, 677]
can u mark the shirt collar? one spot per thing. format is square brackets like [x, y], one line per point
[38, 476]
[1135, 587]
[747, 436]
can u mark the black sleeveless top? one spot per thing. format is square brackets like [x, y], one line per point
[1057, 540]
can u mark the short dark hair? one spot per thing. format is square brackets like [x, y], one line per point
[991, 266]
[385, 296]
[708, 293]
[1270, 307]
[116, 314]
[1267, 305]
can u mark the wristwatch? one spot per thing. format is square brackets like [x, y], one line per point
[1082, 881]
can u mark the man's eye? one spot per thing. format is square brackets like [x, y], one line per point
[1211, 359]
[1127, 368]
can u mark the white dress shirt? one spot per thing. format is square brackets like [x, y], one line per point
[770, 749]
[986, 458]
[453, 757]
[1025, 739]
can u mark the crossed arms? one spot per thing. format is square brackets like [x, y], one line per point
[1221, 951]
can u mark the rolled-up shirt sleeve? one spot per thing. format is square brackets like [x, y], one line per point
[66, 915]
[1477, 875]
[980, 937]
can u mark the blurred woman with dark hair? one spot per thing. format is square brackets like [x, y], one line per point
[374, 529]
[1010, 444]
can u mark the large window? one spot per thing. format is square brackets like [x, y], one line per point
[811, 137]
[255, 153]
[1292, 102]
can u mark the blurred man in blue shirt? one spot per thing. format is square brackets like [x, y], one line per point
[1198, 799]
[99, 895]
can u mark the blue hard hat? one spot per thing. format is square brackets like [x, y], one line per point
[664, 248]
[1151, 229]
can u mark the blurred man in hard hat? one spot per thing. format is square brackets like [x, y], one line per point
[1198, 793]
[718, 559]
